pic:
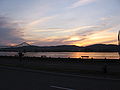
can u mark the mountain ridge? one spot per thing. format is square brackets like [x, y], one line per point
[65, 48]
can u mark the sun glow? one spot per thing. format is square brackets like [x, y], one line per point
[12, 44]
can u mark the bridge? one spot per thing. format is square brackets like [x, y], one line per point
[22, 44]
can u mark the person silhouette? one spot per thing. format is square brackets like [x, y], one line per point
[105, 68]
[20, 54]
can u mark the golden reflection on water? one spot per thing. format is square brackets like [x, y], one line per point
[97, 55]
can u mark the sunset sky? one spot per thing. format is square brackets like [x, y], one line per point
[59, 22]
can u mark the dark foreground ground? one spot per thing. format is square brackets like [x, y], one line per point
[28, 80]
[95, 67]
[32, 73]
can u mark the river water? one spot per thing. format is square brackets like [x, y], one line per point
[96, 55]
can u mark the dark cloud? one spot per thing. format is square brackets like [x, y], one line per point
[50, 42]
[10, 32]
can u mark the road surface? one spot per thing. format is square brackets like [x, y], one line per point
[24, 80]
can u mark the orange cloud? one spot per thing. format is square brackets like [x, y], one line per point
[102, 36]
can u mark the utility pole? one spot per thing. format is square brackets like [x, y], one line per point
[119, 43]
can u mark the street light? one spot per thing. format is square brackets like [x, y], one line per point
[119, 43]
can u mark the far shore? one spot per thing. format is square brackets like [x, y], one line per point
[58, 51]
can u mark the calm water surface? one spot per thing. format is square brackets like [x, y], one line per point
[109, 55]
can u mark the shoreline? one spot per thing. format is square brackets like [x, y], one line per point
[90, 55]
[59, 51]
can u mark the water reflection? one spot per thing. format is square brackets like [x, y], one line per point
[102, 55]
[96, 55]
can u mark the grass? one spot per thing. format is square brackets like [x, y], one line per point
[60, 65]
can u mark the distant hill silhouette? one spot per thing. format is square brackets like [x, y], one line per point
[63, 48]
[101, 48]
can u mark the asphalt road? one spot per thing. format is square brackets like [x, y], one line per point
[24, 80]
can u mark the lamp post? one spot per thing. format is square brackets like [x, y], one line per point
[119, 43]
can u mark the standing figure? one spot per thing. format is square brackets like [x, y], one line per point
[105, 68]
[20, 54]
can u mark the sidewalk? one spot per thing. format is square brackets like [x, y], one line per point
[91, 76]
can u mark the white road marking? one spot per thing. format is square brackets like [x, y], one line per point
[62, 88]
